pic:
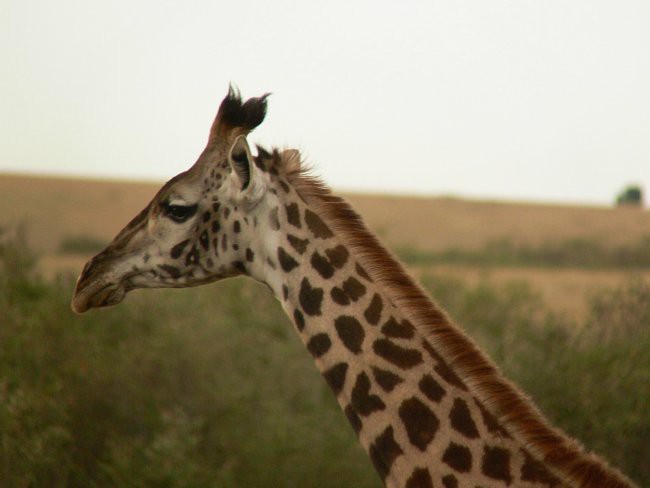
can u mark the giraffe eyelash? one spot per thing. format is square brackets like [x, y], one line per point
[178, 213]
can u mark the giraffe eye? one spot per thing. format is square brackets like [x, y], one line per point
[178, 213]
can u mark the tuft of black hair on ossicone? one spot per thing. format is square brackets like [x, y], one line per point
[247, 115]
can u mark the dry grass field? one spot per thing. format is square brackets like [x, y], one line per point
[55, 209]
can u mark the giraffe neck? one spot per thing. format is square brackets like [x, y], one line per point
[427, 406]
[416, 418]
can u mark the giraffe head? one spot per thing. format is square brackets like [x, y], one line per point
[199, 226]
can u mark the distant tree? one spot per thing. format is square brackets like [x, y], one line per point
[631, 196]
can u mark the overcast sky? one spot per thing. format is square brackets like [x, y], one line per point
[537, 100]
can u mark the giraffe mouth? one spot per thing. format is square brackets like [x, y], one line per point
[95, 297]
[101, 283]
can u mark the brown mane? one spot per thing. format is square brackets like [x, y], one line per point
[565, 456]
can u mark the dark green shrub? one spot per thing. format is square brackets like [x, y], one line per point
[632, 196]
[146, 394]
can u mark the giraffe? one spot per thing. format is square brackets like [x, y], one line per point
[429, 408]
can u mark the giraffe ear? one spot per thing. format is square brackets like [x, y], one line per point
[241, 161]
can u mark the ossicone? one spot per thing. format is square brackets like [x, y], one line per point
[236, 117]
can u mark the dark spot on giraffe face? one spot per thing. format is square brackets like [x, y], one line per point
[300, 245]
[215, 206]
[192, 256]
[250, 255]
[420, 478]
[285, 292]
[350, 332]
[216, 227]
[490, 422]
[293, 215]
[339, 296]
[177, 250]
[239, 266]
[236, 227]
[373, 312]
[338, 256]
[204, 240]
[286, 261]
[449, 481]
[362, 400]
[274, 221]
[206, 216]
[420, 422]
[431, 388]
[386, 379]
[458, 457]
[317, 226]
[383, 452]
[536, 472]
[299, 319]
[496, 464]
[402, 357]
[284, 186]
[226, 213]
[322, 265]
[353, 418]
[362, 272]
[443, 369]
[224, 242]
[319, 344]
[310, 298]
[353, 288]
[461, 419]
[172, 271]
[335, 377]
[401, 330]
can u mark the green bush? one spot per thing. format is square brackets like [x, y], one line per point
[631, 195]
[147, 394]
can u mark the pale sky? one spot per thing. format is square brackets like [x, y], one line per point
[541, 100]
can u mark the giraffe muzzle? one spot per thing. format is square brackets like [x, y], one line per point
[95, 297]
[95, 288]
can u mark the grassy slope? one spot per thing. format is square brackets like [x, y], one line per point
[57, 208]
